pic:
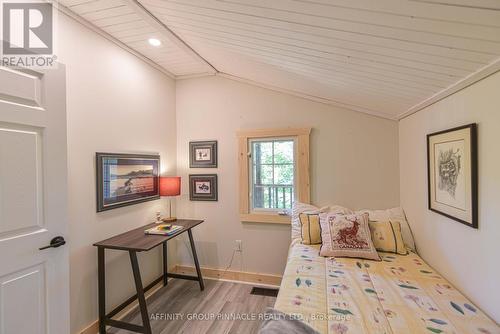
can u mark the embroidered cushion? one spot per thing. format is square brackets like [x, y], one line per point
[386, 236]
[311, 230]
[346, 236]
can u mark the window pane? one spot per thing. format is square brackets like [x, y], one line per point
[283, 152]
[260, 197]
[283, 175]
[262, 152]
[272, 174]
[263, 174]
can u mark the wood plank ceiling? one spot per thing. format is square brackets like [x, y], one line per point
[383, 57]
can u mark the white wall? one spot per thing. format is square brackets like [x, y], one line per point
[468, 258]
[115, 103]
[354, 162]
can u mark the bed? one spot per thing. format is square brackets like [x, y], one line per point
[400, 294]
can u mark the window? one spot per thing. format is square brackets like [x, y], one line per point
[274, 171]
[272, 176]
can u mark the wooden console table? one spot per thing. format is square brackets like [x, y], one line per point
[136, 241]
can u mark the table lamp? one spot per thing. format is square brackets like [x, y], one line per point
[170, 186]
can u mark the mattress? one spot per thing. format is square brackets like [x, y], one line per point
[400, 294]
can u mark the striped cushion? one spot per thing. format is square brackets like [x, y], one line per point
[310, 229]
[386, 236]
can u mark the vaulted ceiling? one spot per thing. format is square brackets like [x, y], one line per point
[384, 57]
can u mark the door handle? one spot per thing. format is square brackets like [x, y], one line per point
[54, 243]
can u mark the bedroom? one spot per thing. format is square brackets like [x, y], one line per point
[354, 87]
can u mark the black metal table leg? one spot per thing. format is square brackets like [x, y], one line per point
[101, 285]
[196, 263]
[165, 264]
[140, 292]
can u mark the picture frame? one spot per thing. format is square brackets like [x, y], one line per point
[203, 187]
[126, 179]
[453, 174]
[203, 154]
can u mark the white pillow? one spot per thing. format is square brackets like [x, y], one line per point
[340, 210]
[395, 214]
[298, 208]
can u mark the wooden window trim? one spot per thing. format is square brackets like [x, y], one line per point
[303, 191]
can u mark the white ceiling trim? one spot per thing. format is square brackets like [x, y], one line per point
[194, 76]
[167, 32]
[479, 75]
[307, 96]
[63, 9]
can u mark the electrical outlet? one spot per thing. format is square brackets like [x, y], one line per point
[238, 246]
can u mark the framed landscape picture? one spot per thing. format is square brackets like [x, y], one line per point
[203, 187]
[126, 179]
[452, 173]
[203, 154]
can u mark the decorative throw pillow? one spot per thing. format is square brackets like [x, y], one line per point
[297, 209]
[386, 237]
[311, 230]
[346, 236]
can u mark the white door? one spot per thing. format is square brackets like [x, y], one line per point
[34, 284]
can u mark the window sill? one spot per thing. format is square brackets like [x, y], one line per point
[265, 218]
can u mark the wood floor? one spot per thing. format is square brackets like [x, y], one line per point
[181, 299]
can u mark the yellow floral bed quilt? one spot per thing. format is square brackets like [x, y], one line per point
[400, 294]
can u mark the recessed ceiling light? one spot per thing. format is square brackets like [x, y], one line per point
[154, 42]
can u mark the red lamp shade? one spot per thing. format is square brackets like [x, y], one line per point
[170, 186]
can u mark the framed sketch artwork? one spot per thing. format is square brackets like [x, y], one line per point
[203, 187]
[126, 179]
[203, 154]
[452, 173]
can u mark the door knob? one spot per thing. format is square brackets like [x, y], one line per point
[54, 243]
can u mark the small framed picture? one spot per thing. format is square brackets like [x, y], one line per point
[203, 154]
[126, 179]
[203, 187]
[452, 173]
